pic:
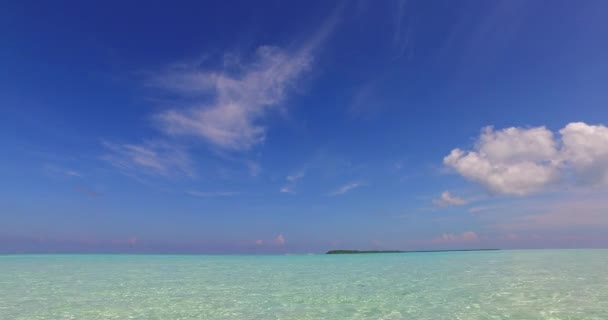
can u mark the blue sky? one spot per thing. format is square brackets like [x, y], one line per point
[274, 127]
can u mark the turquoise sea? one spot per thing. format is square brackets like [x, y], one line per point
[530, 284]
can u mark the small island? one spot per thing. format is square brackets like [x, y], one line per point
[400, 251]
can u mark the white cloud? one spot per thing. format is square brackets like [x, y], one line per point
[74, 173]
[585, 148]
[520, 161]
[287, 189]
[514, 145]
[346, 188]
[447, 199]
[156, 158]
[225, 109]
[295, 177]
[510, 161]
[229, 108]
[225, 106]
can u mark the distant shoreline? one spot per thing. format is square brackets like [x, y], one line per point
[400, 251]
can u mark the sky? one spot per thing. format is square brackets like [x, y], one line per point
[303, 126]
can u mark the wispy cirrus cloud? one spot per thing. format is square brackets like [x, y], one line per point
[74, 173]
[292, 181]
[214, 194]
[521, 161]
[478, 209]
[402, 30]
[347, 188]
[152, 158]
[232, 106]
[224, 109]
[60, 171]
[225, 106]
[286, 189]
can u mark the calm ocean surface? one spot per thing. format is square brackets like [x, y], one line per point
[534, 284]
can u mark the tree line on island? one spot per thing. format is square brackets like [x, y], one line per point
[400, 251]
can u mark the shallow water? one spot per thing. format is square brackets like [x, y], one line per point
[551, 284]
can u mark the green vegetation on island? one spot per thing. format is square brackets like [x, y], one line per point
[399, 251]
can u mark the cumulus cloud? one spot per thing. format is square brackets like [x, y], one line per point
[585, 148]
[155, 158]
[468, 236]
[520, 161]
[346, 188]
[510, 161]
[447, 199]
